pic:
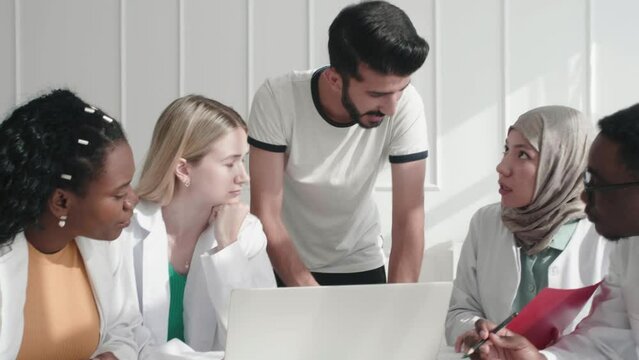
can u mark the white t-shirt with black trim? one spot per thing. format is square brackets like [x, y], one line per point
[331, 169]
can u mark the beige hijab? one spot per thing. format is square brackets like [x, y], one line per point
[562, 136]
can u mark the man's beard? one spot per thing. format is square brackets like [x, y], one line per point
[352, 110]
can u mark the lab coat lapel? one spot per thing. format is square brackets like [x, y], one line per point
[155, 278]
[13, 282]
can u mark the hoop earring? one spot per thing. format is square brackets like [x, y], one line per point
[63, 221]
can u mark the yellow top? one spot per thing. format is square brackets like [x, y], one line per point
[61, 319]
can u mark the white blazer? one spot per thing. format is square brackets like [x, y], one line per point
[611, 331]
[119, 316]
[212, 276]
[489, 270]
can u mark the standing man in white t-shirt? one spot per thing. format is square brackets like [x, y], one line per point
[320, 137]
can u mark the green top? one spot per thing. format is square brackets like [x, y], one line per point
[176, 308]
[534, 268]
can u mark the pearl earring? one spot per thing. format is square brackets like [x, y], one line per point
[63, 221]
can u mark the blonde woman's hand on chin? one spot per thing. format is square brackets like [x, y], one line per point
[227, 220]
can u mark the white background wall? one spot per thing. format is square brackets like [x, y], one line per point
[490, 61]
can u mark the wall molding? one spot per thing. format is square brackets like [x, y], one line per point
[504, 72]
[310, 34]
[123, 67]
[590, 69]
[181, 48]
[18, 50]
[437, 76]
[250, 50]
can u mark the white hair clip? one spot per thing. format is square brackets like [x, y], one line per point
[66, 176]
[90, 110]
[108, 119]
[83, 142]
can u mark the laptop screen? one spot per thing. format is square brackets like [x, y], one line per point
[362, 322]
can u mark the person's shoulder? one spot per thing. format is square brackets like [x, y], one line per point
[16, 246]
[282, 89]
[488, 213]
[487, 221]
[411, 100]
[288, 79]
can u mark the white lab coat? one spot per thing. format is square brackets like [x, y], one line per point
[489, 270]
[119, 316]
[212, 275]
[611, 331]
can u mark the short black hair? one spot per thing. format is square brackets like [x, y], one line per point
[378, 34]
[54, 135]
[622, 127]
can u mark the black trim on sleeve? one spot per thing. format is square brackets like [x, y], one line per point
[398, 159]
[267, 147]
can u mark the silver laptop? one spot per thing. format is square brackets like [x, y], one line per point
[364, 322]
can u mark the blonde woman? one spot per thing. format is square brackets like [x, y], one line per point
[192, 239]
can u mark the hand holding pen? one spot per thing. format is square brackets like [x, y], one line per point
[501, 325]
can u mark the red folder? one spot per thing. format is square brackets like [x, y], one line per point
[546, 316]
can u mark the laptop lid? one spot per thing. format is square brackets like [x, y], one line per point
[363, 322]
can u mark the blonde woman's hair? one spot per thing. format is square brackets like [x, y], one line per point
[186, 129]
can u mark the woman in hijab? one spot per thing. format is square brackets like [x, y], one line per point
[538, 235]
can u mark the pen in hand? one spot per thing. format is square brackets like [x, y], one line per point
[494, 331]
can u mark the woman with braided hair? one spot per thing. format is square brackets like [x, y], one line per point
[65, 174]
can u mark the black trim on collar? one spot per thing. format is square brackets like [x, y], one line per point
[318, 104]
[399, 159]
[266, 146]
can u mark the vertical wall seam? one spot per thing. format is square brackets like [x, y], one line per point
[123, 68]
[437, 94]
[181, 48]
[16, 44]
[503, 48]
[310, 7]
[249, 53]
[589, 60]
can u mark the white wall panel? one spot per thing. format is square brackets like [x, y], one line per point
[7, 58]
[470, 68]
[279, 38]
[615, 45]
[423, 16]
[546, 54]
[216, 51]
[322, 13]
[73, 43]
[150, 67]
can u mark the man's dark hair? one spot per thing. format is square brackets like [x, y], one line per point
[54, 135]
[378, 34]
[622, 127]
